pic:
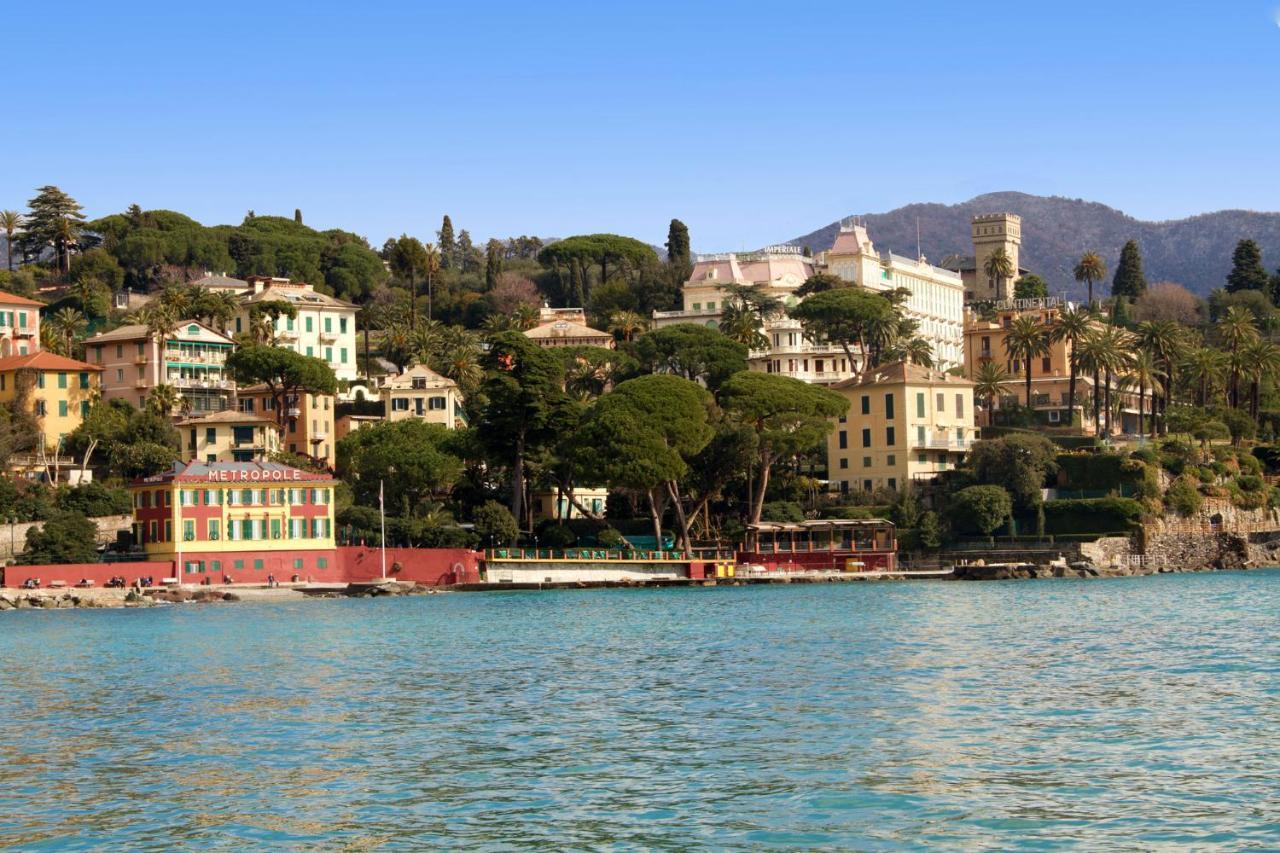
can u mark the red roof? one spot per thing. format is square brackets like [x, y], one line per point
[7, 298]
[44, 361]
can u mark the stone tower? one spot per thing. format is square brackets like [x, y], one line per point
[993, 231]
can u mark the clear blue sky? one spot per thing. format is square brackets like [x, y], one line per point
[751, 122]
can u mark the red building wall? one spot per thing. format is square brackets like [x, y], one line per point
[427, 566]
[72, 573]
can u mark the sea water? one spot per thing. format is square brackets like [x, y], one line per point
[1105, 714]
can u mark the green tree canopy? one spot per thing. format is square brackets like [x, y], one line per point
[1247, 271]
[573, 257]
[66, 537]
[1017, 463]
[849, 317]
[1030, 286]
[787, 415]
[984, 508]
[54, 219]
[820, 281]
[410, 459]
[494, 524]
[1129, 280]
[697, 353]
[285, 373]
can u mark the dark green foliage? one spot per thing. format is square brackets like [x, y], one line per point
[66, 537]
[1019, 463]
[846, 316]
[1092, 515]
[980, 508]
[575, 258]
[1269, 456]
[285, 373]
[25, 500]
[679, 257]
[98, 265]
[1247, 271]
[54, 219]
[553, 535]
[819, 282]
[494, 525]
[1030, 286]
[929, 530]
[609, 537]
[94, 499]
[1239, 425]
[1099, 471]
[410, 460]
[697, 353]
[1129, 279]
[130, 442]
[1183, 497]
[782, 511]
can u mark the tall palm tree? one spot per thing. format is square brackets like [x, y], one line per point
[1118, 344]
[221, 308]
[163, 399]
[626, 324]
[1144, 372]
[1101, 353]
[10, 223]
[1166, 341]
[1091, 268]
[987, 383]
[525, 317]
[1236, 329]
[1262, 363]
[459, 359]
[915, 350]
[1026, 339]
[998, 267]
[1205, 366]
[743, 325]
[1071, 326]
[68, 324]
[431, 266]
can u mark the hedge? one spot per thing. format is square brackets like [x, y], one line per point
[1099, 471]
[1091, 515]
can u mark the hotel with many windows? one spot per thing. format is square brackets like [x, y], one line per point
[192, 359]
[224, 520]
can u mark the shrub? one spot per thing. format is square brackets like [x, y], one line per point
[1146, 454]
[1249, 464]
[981, 508]
[67, 537]
[1249, 483]
[782, 511]
[1091, 515]
[1183, 497]
[1205, 474]
[94, 500]
[609, 537]
[495, 525]
[552, 535]
[1239, 425]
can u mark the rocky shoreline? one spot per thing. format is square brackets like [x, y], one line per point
[92, 598]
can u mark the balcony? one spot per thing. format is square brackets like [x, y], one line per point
[208, 384]
[139, 359]
[287, 335]
[329, 337]
[940, 444]
[293, 412]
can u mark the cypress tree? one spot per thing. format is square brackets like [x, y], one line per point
[297, 215]
[1247, 271]
[448, 248]
[1129, 281]
[679, 259]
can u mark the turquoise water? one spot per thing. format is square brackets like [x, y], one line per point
[1105, 714]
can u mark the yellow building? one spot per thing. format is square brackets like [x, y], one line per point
[58, 390]
[308, 427]
[229, 437]
[554, 505]
[236, 520]
[423, 394]
[905, 423]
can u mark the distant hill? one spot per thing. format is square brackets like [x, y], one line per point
[1195, 252]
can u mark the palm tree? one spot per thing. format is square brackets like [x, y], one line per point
[987, 383]
[1091, 268]
[626, 324]
[1262, 362]
[459, 359]
[431, 265]
[915, 350]
[1025, 340]
[525, 318]
[397, 345]
[998, 267]
[1118, 345]
[1072, 325]
[10, 223]
[162, 400]
[1236, 329]
[1145, 372]
[1167, 342]
[1205, 367]
[1101, 353]
[743, 325]
[221, 308]
[68, 324]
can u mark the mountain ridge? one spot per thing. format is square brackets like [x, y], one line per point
[1194, 251]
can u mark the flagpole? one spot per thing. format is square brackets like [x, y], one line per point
[382, 513]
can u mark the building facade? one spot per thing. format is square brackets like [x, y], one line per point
[308, 426]
[567, 327]
[990, 231]
[192, 359]
[220, 521]
[19, 325]
[229, 436]
[906, 423]
[423, 394]
[936, 301]
[324, 326]
[56, 390]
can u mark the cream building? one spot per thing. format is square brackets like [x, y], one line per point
[324, 328]
[192, 358]
[906, 423]
[990, 231]
[936, 302]
[779, 270]
[567, 327]
[228, 437]
[554, 505]
[422, 393]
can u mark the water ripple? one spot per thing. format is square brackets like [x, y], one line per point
[1120, 714]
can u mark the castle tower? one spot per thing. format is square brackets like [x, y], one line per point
[993, 231]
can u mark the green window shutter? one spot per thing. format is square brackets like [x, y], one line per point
[62, 408]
